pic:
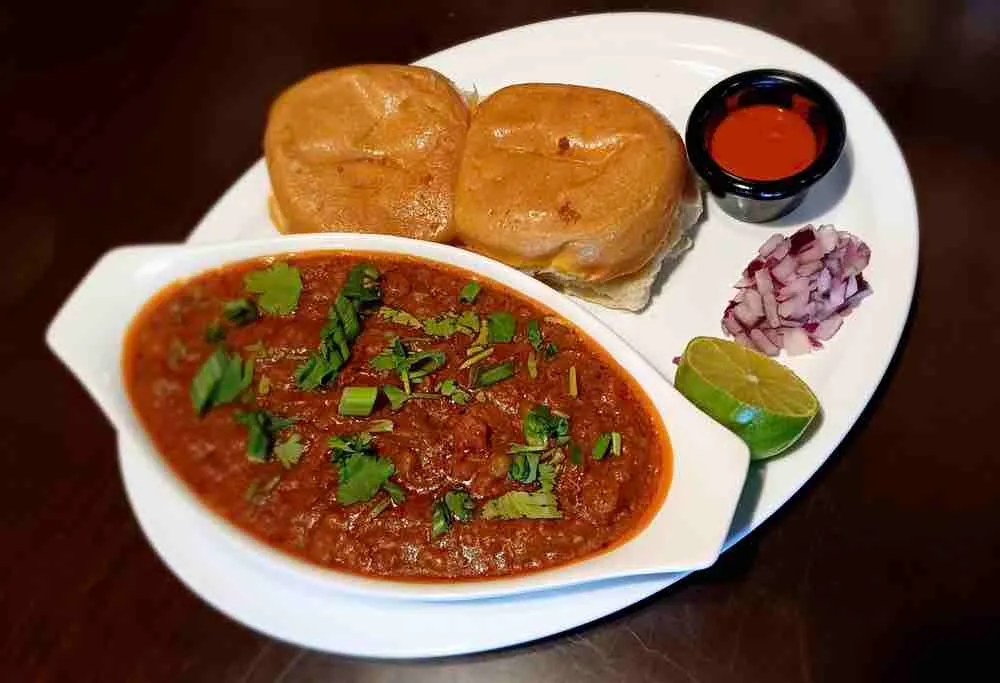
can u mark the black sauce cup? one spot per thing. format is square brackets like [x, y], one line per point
[758, 201]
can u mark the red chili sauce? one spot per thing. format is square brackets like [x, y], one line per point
[437, 446]
[763, 142]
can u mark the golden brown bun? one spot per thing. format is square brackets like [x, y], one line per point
[584, 184]
[370, 148]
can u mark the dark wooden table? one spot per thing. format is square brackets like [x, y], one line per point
[122, 125]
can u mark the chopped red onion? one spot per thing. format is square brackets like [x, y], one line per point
[770, 245]
[761, 341]
[796, 341]
[795, 293]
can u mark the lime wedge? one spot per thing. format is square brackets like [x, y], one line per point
[757, 398]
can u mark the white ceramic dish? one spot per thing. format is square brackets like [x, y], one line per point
[668, 60]
[709, 463]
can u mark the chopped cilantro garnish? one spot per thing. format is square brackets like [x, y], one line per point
[450, 389]
[409, 366]
[476, 357]
[397, 397]
[493, 374]
[350, 444]
[362, 285]
[469, 293]
[547, 476]
[535, 335]
[502, 326]
[361, 477]
[440, 521]
[395, 491]
[460, 505]
[601, 446]
[456, 506]
[399, 317]
[342, 327]
[277, 288]
[522, 505]
[616, 443]
[573, 389]
[289, 451]
[215, 333]
[524, 468]
[261, 429]
[532, 365]
[220, 380]
[541, 424]
[239, 311]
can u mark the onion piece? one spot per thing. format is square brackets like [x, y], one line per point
[763, 344]
[770, 245]
[785, 270]
[795, 341]
[754, 302]
[796, 292]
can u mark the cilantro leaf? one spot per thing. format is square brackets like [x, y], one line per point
[522, 505]
[469, 293]
[395, 491]
[524, 468]
[547, 476]
[460, 505]
[535, 335]
[442, 326]
[239, 311]
[450, 389]
[502, 326]
[601, 446]
[361, 477]
[541, 424]
[342, 327]
[220, 380]
[289, 451]
[362, 285]
[215, 332]
[550, 350]
[399, 317]
[278, 288]
[456, 506]
[440, 520]
[397, 397]
[261, 429]
[350, 444]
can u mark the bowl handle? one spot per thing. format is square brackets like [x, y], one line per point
[87, 332]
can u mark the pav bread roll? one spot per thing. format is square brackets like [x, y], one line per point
[589, 189]
[368, 148]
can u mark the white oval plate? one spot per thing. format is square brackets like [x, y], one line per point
[667, 60]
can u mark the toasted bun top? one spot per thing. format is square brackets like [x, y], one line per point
[579, 181]
[370, 148]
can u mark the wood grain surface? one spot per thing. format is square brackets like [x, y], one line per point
[122, 124]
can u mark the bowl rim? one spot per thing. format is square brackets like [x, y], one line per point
[717, 474]
[721, 181]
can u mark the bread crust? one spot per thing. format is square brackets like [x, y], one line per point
[367, 148]
[579, 182]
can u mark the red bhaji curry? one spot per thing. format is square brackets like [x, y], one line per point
[395, 418]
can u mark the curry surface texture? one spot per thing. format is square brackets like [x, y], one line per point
[436, 445]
